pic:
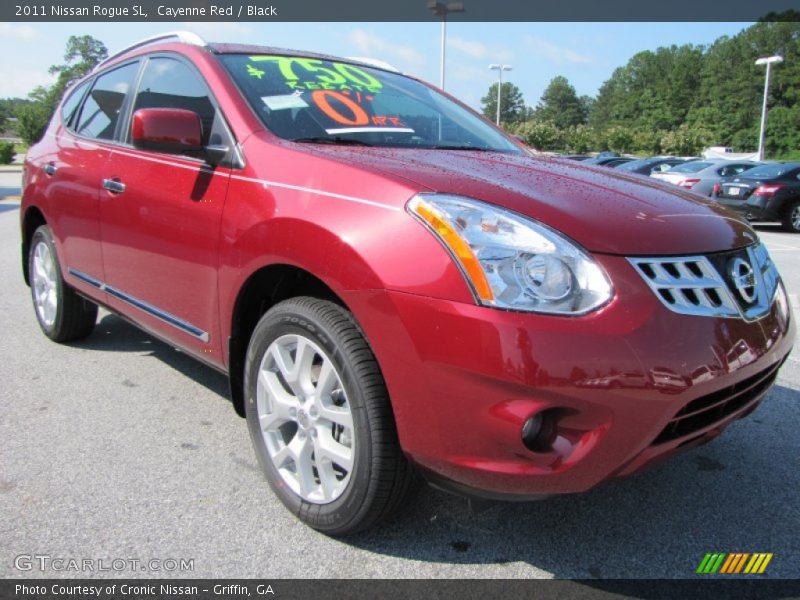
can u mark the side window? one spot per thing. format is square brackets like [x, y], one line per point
[101, 110]
[729, 170]
[170, 83]
[70, 105]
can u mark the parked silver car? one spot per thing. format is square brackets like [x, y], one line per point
[701, 175]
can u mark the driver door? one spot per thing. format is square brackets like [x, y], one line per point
[160, 219]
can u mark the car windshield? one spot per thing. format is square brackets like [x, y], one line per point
[768, 171]
[691, 167]
[323, 101]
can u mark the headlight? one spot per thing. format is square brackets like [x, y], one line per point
[511, 261]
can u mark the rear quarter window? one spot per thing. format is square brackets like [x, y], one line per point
[70, 106]
[101, 110]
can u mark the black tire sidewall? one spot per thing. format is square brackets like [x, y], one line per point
[43, 234]
[788, 224]
[282, 320]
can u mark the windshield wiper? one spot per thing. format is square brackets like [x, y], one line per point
[331, 140]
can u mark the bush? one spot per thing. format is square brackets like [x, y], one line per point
[7, 153]
[686, 141]
[542, 135]
[618, 138]
[580, 138]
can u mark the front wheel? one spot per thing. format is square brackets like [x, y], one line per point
[62, 314]
[320, 418]
[791, 217]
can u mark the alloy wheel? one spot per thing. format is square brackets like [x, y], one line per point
[44, 284]
[305, 419]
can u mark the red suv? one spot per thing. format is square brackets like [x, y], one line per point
[394, 286]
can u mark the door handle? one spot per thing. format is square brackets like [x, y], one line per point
[115, 186]
[50, 168]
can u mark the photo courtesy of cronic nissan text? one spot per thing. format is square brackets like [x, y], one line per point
[422, 299]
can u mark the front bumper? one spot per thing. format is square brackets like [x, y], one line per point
[755, 208]
[463, 380]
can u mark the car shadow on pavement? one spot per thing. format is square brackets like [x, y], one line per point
[114, 334]
[736, 494]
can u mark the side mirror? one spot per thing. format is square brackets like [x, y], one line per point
[171, 130]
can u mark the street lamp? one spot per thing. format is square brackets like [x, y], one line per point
[767, 60]
[499, 69]
[442, 9]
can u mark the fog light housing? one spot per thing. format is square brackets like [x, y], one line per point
[539, 432]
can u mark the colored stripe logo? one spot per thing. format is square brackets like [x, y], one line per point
[732, 563]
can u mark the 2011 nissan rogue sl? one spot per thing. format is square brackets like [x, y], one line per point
[394, 286]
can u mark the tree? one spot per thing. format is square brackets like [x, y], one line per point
[82, 54]
[560, 104]
[512, 105]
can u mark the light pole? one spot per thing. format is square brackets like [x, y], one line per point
[442, 9]
[767, 60]
[499, 69]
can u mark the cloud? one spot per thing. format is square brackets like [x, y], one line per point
[478, 50]
[470, 73]
[554, 53]
[375, 46]
[18, 32]
[18, 82]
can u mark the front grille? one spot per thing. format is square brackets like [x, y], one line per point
[712, 408]
[702, 285]
[688, 285]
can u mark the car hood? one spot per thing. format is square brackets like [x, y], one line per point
[603, 210]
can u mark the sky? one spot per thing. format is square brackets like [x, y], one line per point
[585, 53]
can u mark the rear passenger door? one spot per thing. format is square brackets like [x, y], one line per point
[91, 120]
[161, 218]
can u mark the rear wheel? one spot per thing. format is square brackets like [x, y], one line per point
[320, 419]
[791, 217]
[62, 314]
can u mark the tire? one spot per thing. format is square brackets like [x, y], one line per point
[791, 217]
[337, 474]
[63, 315]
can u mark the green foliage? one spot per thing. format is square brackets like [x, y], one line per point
[783, 131]
[686, 141]
[560, 104]
[7, 153]
[81, 56]
[688, 95]
[541, 135]
[580, 138]
[617, 138]
[512, 104]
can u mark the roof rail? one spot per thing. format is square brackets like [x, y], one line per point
[187, 37]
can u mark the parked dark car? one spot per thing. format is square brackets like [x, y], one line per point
[648, 166]
[767, 193]
[577, 157]
[608, 161]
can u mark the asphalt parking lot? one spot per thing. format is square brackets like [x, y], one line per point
[122, 447]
